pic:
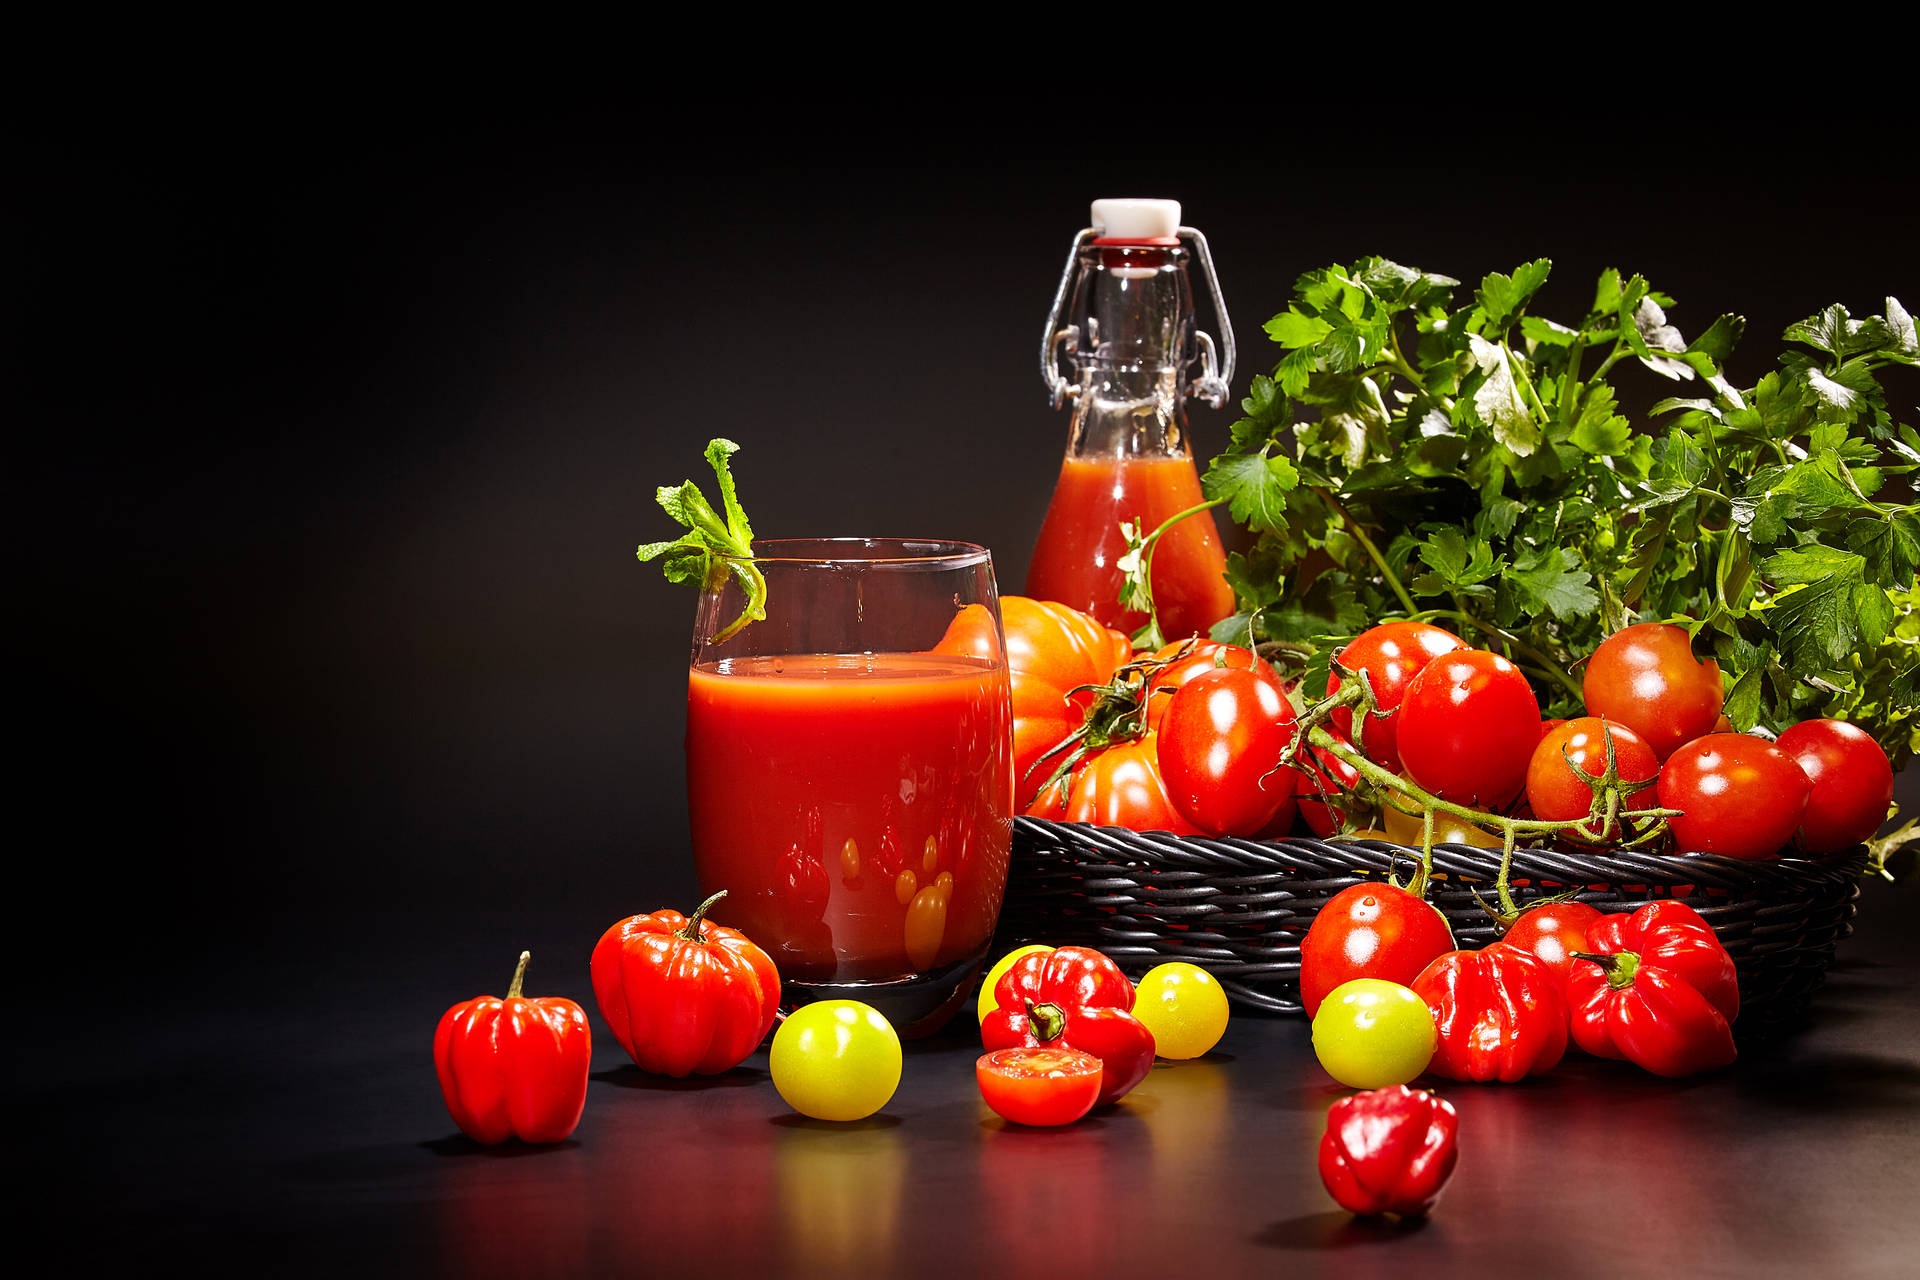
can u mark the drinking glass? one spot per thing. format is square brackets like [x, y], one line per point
[850, 768]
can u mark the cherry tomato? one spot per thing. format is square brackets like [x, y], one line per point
[1370, 1033]
[1646, 678]
[1391, 654]
[1122, 787]
[1369, 931]
[1039, 1086]
[1468, 726]
[1555, 791]
[1183, 1006]
[1188, 658]
[835, 1060]
[1741, 796]
[986, 1004]
[1321, 773]
[1852, 783]
[1553, 932]
[1219, 741]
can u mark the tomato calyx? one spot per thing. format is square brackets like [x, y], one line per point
[1621, 967]
[1049, 1021]
[694, 929]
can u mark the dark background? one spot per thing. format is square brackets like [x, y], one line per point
[342, 684]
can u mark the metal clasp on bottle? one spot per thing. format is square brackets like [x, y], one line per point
[1216, 376]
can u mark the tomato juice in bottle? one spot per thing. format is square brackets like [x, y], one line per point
[856, 807]
[1124, 317]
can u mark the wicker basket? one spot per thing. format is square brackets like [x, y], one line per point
[1239, 908]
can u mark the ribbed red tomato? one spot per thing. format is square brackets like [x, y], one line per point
[1468, 726]
[1391, 655]
[1122, 787]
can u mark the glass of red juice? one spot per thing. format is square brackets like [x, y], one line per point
[850, 768]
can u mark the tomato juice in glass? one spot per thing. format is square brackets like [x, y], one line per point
[849, 770]
[1076, 560]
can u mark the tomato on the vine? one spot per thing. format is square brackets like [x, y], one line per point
[1556, 790]
[1852, 783]
[1186, 659]
[1391, 655]
[1739, 796]
[1322, 774]
[1646, 677]
[1369, 931]
[1046, 1086]
[1468, 725]
[1122, 786]
[1220, 739]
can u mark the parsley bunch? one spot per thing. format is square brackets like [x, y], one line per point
[1469, 464]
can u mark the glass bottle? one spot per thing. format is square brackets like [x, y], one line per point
[1124, 317]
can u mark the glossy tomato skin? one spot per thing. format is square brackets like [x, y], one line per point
[1048, 1086]
[1468, 726]
[1646, 677]
[1391, 654]
[1188, 658]
[1740, 796]
[1369, 931]
[1852, 783]
[1218, 744]
[1556, 794]
[1122, 787]
[1050, 651]
[1553, 932]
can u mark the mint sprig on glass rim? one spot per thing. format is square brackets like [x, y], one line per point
[712, 549]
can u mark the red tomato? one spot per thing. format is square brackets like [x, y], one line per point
[1317, 775]
[1221, 736]
[1740, 796]
[1553, 932]
[1039, 1086]
[1852, 783]
[1051, 650]
[1555, 791]
[1189, 658]
[1646, 678]
[1391, 654]
[1468, 726]
[1122, 787]
[1369, 931]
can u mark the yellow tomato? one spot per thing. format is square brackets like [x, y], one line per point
[836, 1060]
[1005, 963]
[1371, 1033]
[1184, 1008]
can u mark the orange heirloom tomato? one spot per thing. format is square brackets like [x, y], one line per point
[1051, 650]
[1122, 787]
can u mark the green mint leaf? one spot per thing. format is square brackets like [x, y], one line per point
[692, 556]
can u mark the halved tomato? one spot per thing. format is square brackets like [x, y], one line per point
[1039, 1086]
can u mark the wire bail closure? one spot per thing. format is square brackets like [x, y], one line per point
[1214, 382]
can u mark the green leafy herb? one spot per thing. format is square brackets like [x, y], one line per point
[713, 549]
[1469, 463]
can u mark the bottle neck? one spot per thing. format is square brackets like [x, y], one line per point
[1129, 412]
[1132, 309]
